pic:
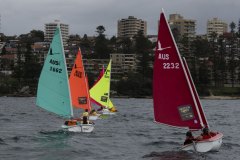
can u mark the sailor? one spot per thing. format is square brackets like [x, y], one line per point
[93, 112]
[100, 109]
[206, 134]
[189, 138]
[113, 109]
[85, 116]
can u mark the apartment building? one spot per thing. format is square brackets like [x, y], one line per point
[217, 26]
[185, 27]
[129, 27]
[50, 29]
[123, 64]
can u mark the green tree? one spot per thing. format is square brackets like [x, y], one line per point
[31, 69]
[143, 50]
[232, 47]
[37, 36]
[18, 69]
[101, 44]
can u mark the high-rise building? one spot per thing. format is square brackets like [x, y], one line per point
[50, 29]
[216, 26]
[129, 27]
[185, 27]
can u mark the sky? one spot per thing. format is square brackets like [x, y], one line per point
[83, 16]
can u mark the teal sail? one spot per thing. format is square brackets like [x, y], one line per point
[53, 86]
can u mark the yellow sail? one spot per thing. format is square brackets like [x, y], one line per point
[100, 92]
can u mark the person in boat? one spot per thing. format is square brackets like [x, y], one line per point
[85, 116]
[93, 112]
[206, 134]
[100, 109]
[71, 122]
[113, 109]
[189, 138]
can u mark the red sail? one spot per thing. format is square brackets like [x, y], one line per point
[79, 85]
[174, 101]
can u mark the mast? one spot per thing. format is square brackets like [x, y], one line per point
[109, 82]
[86, 82]
[195, 93]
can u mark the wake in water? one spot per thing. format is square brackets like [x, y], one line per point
[174, 155]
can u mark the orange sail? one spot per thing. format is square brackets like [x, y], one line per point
[79, 85]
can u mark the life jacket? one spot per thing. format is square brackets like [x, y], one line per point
[94, 113]
[113, 109]
[209, 135]
[70, 123]
[85, 114]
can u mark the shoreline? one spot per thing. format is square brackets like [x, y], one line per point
[148, 97]
[219, 97]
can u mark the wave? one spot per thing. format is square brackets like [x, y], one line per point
[5, 119]
[230, 145]
[160, 142]
[16, 138]
[59, 132]
[2, 142]
[174, 155]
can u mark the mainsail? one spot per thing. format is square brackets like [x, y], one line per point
[100, 91]
[110, 104]
[53, 87]
[175, 101]
[79, 85]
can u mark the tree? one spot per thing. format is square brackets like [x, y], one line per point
[101, 44]
[31, 69]
[18, 68]
[100, 30]
[37, 36]
[200, 49]
[126, 45]
[143, 50]
[232, 46]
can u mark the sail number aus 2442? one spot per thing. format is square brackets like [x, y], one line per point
[170, 65]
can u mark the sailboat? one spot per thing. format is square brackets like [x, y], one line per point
[176, 101]
[110, 105]
[79, 86]
[100, 92]
[53, 93]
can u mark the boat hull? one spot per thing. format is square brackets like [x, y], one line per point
[93, 118]
[207, 145]
[79, 128]
[107, 112]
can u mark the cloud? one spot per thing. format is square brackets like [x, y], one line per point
[83, 16]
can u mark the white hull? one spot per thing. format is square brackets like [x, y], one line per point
[94, 118]
[212, 144]
[107, 112]
[79, 128]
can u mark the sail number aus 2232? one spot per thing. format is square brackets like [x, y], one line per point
[170, 65]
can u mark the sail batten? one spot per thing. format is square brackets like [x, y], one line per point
[174, 99]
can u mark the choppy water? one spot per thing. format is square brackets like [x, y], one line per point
[28, 132]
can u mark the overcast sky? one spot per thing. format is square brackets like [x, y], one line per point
[83, 16]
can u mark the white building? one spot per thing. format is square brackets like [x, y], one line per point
[50, 29]
[216, 25]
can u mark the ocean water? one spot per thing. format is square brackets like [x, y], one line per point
[30, 133]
